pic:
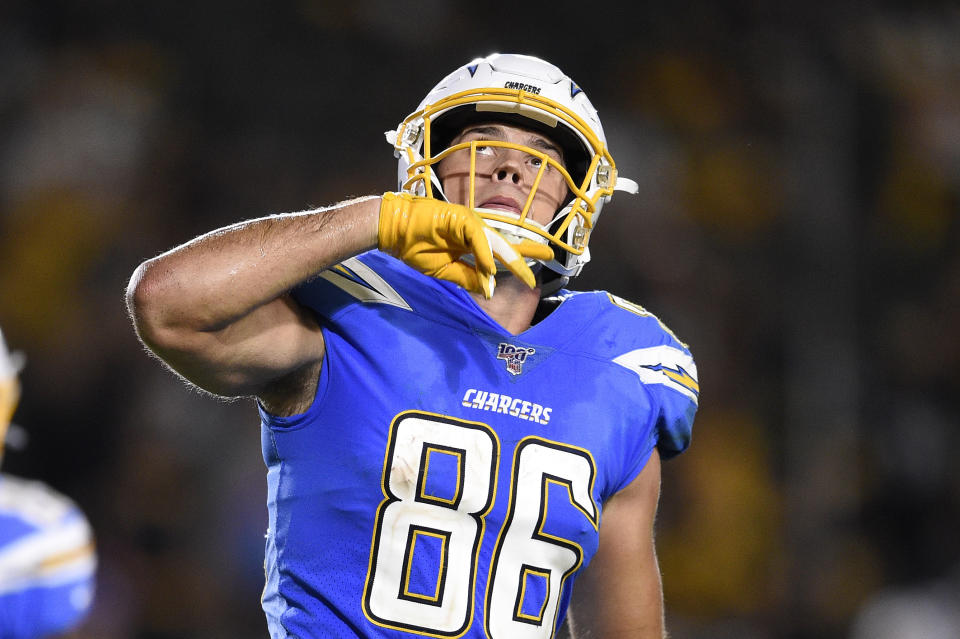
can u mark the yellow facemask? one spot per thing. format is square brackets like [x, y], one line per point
[586, 192]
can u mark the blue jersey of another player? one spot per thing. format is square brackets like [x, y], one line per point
[47, 561]
[449, 478]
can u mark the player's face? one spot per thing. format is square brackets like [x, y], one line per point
[505, 176]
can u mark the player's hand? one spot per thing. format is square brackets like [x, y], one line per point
[433, 236]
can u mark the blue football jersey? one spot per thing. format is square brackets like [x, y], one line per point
[449, 478]
[47, 561]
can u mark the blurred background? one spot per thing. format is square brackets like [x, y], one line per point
[797, 225]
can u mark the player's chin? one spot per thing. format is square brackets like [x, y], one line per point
[542, 214]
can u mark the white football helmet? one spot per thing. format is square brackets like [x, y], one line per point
[532, 93]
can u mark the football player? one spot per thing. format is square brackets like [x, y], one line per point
[456, 444]
[47, 559]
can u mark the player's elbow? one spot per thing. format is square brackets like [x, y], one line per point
[149, 311]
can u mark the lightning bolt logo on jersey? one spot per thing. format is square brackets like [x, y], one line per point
[449, 478]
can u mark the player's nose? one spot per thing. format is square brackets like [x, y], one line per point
[509, 167]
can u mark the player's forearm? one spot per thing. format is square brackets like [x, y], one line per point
[639, 619]
[218, 278]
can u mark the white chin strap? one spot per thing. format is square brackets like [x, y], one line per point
[513, 233]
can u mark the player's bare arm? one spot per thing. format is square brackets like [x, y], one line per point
[619, 595]
[217, 309]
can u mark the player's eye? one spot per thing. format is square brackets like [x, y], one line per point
[537, 162]
[484, 150]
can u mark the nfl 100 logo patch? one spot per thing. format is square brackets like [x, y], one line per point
[514, 356]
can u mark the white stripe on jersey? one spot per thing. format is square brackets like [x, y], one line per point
[664, 365]
[376, 290]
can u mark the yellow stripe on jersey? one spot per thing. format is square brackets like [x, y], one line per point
[55, 561]
[682, 377]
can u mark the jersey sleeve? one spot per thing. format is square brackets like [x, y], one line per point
[665, 368]
[678, 396]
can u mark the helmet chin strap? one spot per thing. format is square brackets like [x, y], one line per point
[515, 234]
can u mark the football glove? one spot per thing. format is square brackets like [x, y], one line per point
[435, 237]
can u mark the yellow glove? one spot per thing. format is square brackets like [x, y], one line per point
[433, 236]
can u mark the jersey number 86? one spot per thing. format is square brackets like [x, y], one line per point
[445, 522]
